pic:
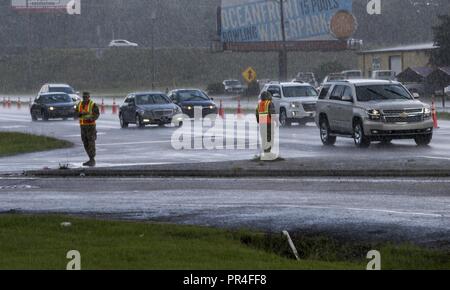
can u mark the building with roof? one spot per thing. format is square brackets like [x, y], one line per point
[397, 58]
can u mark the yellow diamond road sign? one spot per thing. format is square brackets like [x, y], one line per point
[249, 75]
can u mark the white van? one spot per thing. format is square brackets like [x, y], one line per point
[387, 75]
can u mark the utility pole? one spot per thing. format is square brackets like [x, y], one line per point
[153, 18]
[283, 54]
[29, 69]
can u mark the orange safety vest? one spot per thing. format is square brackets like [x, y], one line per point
[264, 112]
[89, 119]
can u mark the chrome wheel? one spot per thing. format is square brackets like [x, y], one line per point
[139, 122]
[358, 135]
[325, 136]
[283, 119]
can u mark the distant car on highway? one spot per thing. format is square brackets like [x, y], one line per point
[149, 108]
[352, 74]
[332, 78]
[61, 88]
[53, 106]
[294, 102]
[308, 78]
[372, 110]
[387, 75]
[122, 43]
[233, 87]
[188, 99]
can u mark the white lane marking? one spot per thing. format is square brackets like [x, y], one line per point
[386, 211]
[79, 135]
[15, 120]
[12, 127]
[370, 210]
[134, 143]
[434, 157]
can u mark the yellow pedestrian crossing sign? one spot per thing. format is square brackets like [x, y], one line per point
[249, 75]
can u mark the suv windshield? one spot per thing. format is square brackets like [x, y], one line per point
[151, 100]
[67, 90]
[382, 93]
[193, 95]
[301, 91]
[53, 99]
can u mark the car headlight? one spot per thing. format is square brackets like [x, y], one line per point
[374, 115]
[293, 105]
[75, 107]
[188, 108]
[51, 108]
[426, 113]
[212, 107]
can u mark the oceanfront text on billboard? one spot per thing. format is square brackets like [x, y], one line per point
[260, 20]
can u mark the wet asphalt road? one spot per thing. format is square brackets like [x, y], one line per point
[152, 145]
[373, 209]
[403, 209]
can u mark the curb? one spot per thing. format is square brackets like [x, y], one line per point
[235, 173]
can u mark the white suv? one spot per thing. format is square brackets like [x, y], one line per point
[60, 88]
[294, 102]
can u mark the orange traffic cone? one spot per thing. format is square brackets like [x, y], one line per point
[114, 107]
[221, 111]
[239, 109]
[102, 108]
[434, 114]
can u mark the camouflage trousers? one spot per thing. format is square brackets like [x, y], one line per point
[89, 136]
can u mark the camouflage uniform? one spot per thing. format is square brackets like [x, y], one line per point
[89, 136]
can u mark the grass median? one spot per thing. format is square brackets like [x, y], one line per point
[40, 242]
[443, 115]
[12, 143]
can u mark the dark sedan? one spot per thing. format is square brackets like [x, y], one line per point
[53, 106]
[149, 109]
[189, 99]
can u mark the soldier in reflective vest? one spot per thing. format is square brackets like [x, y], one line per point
[88, 113]
[264, 113]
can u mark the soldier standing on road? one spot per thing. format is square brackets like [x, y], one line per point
[88, 114]
[264, 113]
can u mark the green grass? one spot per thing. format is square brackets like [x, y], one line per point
[443, 115]
[40, 242]
[18, 143]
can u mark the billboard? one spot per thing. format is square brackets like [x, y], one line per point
[260, 20]
[41, 5]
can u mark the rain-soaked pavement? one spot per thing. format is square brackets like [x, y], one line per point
[403, 209]
[363, 209]
[152, 145]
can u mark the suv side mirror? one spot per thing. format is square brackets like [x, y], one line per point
[347, 99]
[416, 95]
